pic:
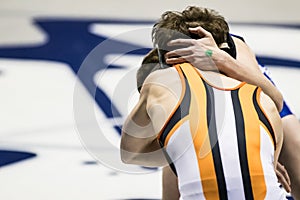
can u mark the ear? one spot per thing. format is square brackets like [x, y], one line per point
[224, 45]
[230, 49]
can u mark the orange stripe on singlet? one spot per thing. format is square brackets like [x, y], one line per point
[199, 130]
[177, 125]
[252, 136]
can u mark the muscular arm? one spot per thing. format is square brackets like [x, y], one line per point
[275, 120]
[158, 97]
[289, 155]
[245, 68]
[138, 141]
[170, 185]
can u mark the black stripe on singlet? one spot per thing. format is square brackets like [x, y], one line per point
[213, 138]
[241, 139]
[262, 117]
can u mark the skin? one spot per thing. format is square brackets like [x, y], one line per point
[289, 156]
[243, 68]
[169, 184]
[158, 98]
[249, 73]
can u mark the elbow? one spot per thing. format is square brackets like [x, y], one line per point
[128, 154]
[127, 157]
[125, 149]
[133, 158]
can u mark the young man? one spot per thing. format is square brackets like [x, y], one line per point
[244, 67]
[219, 135]
[150, 63]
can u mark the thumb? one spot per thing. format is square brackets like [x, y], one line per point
[201, 32]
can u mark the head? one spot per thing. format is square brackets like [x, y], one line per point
[208, 19]
[173, 25]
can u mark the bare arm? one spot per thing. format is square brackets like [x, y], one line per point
[138, 141]
[158, 97]
[289, 155]
[269, 107]
[170, 185]
[247, 69]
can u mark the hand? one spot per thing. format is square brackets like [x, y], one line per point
[194, 50]
[283, 177]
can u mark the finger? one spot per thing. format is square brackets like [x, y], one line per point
[283, 181]
[283, 171]
[177, 52]
[181, 59]
[173, 61]
[181, 42]
[200, 31]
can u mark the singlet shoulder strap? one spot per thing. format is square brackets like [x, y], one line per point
[262, 115]
[180, 111]
[238, 36]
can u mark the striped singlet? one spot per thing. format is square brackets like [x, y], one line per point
[219, 142]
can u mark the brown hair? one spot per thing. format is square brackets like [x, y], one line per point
[150, 63]
[173, 25]
[208, 19]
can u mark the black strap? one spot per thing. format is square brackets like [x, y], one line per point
[231, 49]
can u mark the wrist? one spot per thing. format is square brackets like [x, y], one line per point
[221, 60]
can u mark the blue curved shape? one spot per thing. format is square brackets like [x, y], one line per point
[69, 41]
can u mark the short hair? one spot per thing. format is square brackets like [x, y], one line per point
[173, 25]
[208, 19]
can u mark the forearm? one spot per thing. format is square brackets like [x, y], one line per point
[289, 155]
[170, 189]
[272, 92]
[250, 74]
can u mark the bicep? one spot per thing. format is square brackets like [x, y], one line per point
[245, 55]
[161, 103]
[139, 144]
